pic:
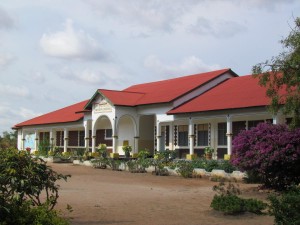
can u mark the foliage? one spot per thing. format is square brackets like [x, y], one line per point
[102, 150]
[227, 201]
[210, 165]
[8, 140]
[286, 208]
[270, 150]
[159, 162]
[208, 150]
[44, 147]
[140, 164]
[100, 163]
[28, 189]
[127, 148]
[114, 164]
[25, 214]
[185, 169]
[281, 74]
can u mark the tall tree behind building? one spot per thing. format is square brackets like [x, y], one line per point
[281, 77]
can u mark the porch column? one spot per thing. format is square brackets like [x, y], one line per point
[171, 139]
[115, 153]
[136, 145]
[158, 136]
[93, 139]
[278, 119]
[86, 134]
[192, 155]
[36, 140]
[229, 135]
[23, 140]
[66, 139]
[51, 140]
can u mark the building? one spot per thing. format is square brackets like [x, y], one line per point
[184, 114]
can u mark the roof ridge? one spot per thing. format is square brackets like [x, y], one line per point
[181, 77]
[134, 92]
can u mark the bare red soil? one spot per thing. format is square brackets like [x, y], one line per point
[117, 197]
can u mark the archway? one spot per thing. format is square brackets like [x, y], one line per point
[103, 131]
[126, 132]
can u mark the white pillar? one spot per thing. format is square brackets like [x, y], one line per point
[86, 134]
[115, 136]
[23, 140]
[36, 140]
[51, 139]
[66, 139]
[191, 136]
[229, 135]
[278, 119]
[171, 140]
[136, 144]
[158, 136]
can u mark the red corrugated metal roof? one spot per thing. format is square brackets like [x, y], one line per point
[64, 115]
[124, 98]
[238, 92]
[171, 89]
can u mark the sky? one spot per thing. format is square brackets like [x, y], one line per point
[54, 53]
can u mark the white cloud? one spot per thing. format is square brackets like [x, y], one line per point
[11, 115]
[6, 59]
[8, 90]
[216, 28]
[87, 76]
[155, 15]
[189, 65]
[6, 22]
[72, 44]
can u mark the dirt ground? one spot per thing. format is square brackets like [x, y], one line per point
[117, 197]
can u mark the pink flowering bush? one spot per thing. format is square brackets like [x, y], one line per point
[272, 151]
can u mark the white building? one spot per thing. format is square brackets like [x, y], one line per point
[184, 114]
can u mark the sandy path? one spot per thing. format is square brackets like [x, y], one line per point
[110, 197]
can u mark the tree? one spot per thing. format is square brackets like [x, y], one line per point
[28, 189]
[281, 76]
[272, 151]
[8, 140]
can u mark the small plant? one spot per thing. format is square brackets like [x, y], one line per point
[114, 164]
[185, 169]
[127, 149]
[227, 201]
[208, 151]
[286, 208]
[100, 163]
[102, 150]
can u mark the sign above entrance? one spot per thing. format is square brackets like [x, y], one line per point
[102, 107]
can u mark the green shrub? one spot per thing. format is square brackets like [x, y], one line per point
[227, 201]
[21, 178]
[185, 169]
[254, 206]
[286, 208]
[228, 204]
[253, 177]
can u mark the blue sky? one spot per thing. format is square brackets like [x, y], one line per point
[54, 53]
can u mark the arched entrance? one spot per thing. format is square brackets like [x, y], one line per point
[126, 132]
[103, 132]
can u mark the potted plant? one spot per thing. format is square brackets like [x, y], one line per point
[102, 150]
[127, 149]
[208, 151]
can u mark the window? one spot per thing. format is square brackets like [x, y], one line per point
[237, 127]
[81, 138]
[60, 138]
[183, 139]
[108, 134]
[222, 138]
[254, 123]
[202, 134]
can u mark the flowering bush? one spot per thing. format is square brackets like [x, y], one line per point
[272, 151]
